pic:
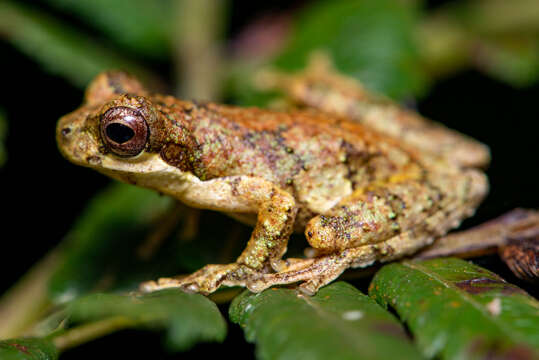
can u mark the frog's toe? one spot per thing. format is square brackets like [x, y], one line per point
[162, 283]
[311, 287]
[311, 273]
[204, 281]
[148, 286]
[308, 288]
[191, 288]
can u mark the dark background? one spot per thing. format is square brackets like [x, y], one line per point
[43, 193]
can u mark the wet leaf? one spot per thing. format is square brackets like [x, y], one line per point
[27, 349]
[140, 25]
[62, 50]
[457, 310]
[338, 323]
[187, 318]
[369, 40]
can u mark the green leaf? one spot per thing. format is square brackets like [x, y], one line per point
[103, 249]
[102, 244]
[372, 41]
[338, 323]
[457, 310]
[59, 48]
[27, 349]
[140, 25]
[188, 318]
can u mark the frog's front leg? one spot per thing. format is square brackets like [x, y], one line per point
[276, 211]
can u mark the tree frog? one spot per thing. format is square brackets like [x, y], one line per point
[363, 178]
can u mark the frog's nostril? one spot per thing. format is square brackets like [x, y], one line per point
[66, 131]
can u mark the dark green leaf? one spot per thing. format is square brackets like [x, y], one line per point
[338, 323]
[142, 26]
[458, 310]
[27, 349]
[59, 48]
[102, 244]
[187, 318]
[372, 41]
[103, 249]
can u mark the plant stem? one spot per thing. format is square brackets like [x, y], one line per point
[23, 304]
[89, 332]
[483, 239]
[199, 25]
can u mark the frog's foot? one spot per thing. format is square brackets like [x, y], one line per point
[206, 280]
[314, 273]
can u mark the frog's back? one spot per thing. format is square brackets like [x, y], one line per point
[318, 158]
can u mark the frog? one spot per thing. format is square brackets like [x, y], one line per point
[365, 179]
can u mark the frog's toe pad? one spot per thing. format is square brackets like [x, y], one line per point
[162, 283]
[148, 286]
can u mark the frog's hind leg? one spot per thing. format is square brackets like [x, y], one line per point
[322, 87]
[381, 224]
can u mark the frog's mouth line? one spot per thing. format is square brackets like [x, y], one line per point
[149, 171]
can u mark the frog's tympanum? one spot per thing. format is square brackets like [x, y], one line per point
[364, 179]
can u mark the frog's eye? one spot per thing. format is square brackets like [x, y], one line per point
[124, 130]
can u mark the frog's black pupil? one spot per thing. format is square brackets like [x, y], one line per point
[119, 133]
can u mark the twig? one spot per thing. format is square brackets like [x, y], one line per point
[483, 239]
[23, 304]
[199, 25]
[88, 332]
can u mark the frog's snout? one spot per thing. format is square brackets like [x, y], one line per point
[75, 145]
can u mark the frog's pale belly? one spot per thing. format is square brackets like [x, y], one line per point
[358, 195]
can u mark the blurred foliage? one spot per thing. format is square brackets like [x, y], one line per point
[372, 41]
[115, 223]
[498, 37]
[61, 49]
[141, 26]
[127, 235]
[369, 40]
[392, 46]
[27, 349]
[458, 310]
[188, 318]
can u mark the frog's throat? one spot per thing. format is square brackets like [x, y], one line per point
[150, 171]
